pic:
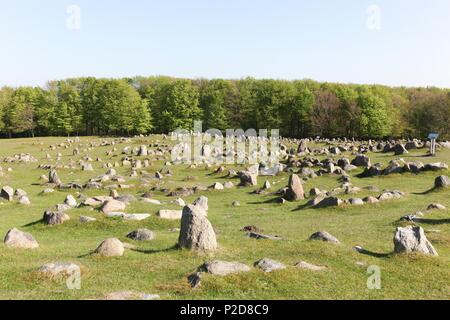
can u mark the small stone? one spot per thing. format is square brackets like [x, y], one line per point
[371, 200]
[324, 236]
[195, 279]
[70, 201]
[180, 202]
[217, 186]
[436, 206]
[141, 235]
[202, 202]
[7, 193]
[223, 268]
[84, 219]
[259, 236]
[356, 202]
[442, 182]
[308, 266]
[269, 265]
[170, 214]
[24, 200]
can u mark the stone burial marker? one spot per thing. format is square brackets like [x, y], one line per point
[413, 239]
[224, 268]
[324, 236]
[196, 232]
[295, 190]
[141, 235]
[7, 193]
[17, 239]
[269, 265]
[442, 182]
[110, 248]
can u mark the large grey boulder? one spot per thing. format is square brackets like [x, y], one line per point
[295, 190]
[59, 269]
[328, 202]
[113, 206]
[17, 239]
[442, 182]
[223, 268]
[361, 161]
[399, 149]
[53, 218]
[412, 239]
[110, 248]
[196, 232]
[249, 178]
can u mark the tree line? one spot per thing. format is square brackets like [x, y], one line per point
[304, 108]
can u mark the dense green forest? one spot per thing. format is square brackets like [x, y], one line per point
[90, 106]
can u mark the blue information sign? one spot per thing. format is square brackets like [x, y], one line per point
[433, 136]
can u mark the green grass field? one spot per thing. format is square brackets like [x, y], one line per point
[158, 268]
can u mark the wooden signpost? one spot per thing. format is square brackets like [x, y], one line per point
[433, 137]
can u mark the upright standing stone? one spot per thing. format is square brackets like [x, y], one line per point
[442, 182]
[196, 231]
[413, 239]
[53, 177]
[143, 152]
[295, 190]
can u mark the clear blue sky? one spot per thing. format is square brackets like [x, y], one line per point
[326, 40]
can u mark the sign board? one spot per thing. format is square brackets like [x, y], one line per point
[433, 136]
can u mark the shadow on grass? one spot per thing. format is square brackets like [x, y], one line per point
[432, 221]
[275, 200]
[32, 224]
[303, 207]
[376, 254]
[152, 251]
[425, 192]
